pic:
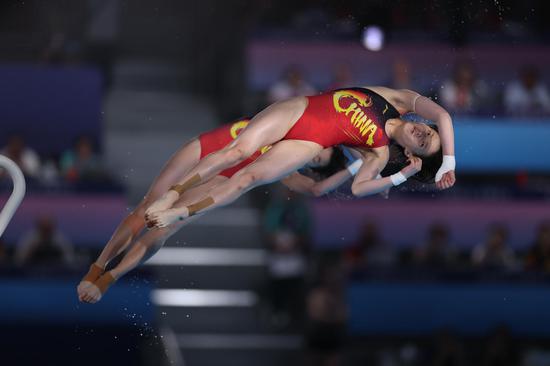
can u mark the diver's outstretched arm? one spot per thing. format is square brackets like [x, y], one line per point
[407, 101]
[426, 108]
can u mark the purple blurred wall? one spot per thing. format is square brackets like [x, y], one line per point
[50, 106]
[87, 220]
[405, 222]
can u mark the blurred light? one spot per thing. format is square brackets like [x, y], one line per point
[373, 38]
[209, 257]
[240, 341]
[193, 298]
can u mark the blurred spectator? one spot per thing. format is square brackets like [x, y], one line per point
[401, 75]
[44, 245]
[464, 93]
[287, 224]
[82, 163]
[528, 95]
[370, 250]
[448, 350]
[292, 84]
[494, 253]
[501, 350]
[437, 251]
[538, 257]
[342, 77]
[49, 174]
[25, 157]
[326, 315]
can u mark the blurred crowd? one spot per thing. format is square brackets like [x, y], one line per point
[437, 252]
[464, 92]
[307, 285]
[446, 347]
[79, 169]
[44, 246]
[79, 166]
[443, 347]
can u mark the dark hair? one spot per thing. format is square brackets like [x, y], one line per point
[336, 163]
[398, 160]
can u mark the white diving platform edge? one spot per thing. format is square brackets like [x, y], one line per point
[17, 194]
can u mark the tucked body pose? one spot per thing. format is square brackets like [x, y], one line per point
[367, 119]
[127, 235]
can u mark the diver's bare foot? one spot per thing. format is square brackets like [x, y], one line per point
[168, 217]
[163, 203]
[91, 294]
[95, 292]
[94, 273]
[82, 286]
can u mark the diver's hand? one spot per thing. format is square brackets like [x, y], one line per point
[415, 165]
[447, 181]
[163, 203]
[448, 164]
[445, 177]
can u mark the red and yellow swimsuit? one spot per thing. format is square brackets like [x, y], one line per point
[352, 117]
[220, 137]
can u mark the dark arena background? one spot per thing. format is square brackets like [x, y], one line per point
[95, 96]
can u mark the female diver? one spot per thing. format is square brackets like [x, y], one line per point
[366, 119]
[96, 282]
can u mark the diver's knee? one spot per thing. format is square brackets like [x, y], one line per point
[237, 153]
[247, 180]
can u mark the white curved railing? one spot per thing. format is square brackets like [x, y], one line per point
[17, 194]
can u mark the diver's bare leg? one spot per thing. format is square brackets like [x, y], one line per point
[285, 157]
[144, 247]
[181, 162]
[266, 128]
